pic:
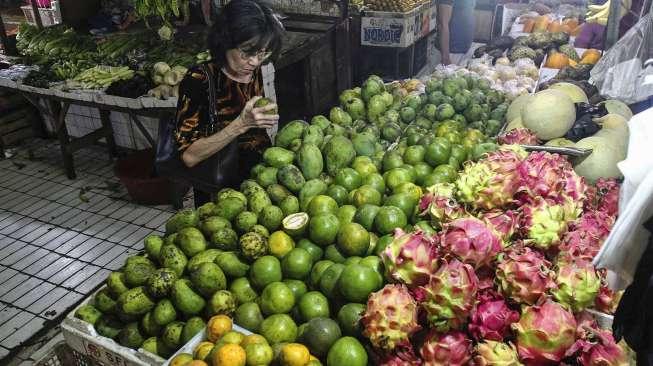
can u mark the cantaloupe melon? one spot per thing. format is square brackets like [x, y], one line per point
[549, 114]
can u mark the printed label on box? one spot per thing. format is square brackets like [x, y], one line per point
[103, 355]
[387, 32]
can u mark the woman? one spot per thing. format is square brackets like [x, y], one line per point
[245, 35]
[455, 28]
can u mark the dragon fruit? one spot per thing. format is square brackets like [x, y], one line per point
[524, 275]
[578, 285]
[519, 136]
[440, 205]
[400, 356]
[390, 317]
[543, 223]
[471, 240]
[450, 349]
[491, 318]
[584, 321]
[410, 258]
[598, 349]
[550, 176]
[502, 222]
[544, 333]
[449, 296]
[607, 300]
[585, 236]
[491, 182]
[492, 353]
[608, 196]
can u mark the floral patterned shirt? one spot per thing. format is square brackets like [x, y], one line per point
[192, 115]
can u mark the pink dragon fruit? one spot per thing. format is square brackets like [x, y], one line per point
[524, 275]
[400, 356]
[390, 317]
[471, 240]
[607, 300]
[491, 318]
[598, 349]
[585, 236]
[449, 296]
[543, 223]
[491, 182]
[492, 353]
[578, 285]
[544, 333]
[550, 176]
[503, 223]
[584, 320]
[410, 258]
[440, 205]
[519, 136]
[608, 196]
[450, 349]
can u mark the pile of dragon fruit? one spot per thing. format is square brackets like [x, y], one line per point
[508, 278]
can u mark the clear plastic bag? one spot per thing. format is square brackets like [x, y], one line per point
[620, 73]
[627, 240]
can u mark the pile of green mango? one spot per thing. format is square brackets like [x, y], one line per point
[337, 187]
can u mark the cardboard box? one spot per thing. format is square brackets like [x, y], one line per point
[388, 29]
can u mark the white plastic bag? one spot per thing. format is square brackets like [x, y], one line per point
[628, 239]
[620, 73]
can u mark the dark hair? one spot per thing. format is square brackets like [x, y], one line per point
[241, 21]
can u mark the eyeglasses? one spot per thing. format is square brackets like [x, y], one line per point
[260, 55]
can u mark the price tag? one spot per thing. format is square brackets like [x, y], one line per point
[103, 355]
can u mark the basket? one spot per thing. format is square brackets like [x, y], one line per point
[62, 355]
[48, 16]
[136, 174]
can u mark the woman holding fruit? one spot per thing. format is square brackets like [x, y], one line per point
[246, 35]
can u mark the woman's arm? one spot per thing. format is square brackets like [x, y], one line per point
[444, 16]
[201, 149]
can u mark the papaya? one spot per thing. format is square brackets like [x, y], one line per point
[310, 161]
[339, 153]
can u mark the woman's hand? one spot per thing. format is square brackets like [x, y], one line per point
[252, 117]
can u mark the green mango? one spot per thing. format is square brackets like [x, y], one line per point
[160, 282]
[156, 346]
[109, 326]
[149, 326]
[312, 188]
[184, 218]
[130, 336]
[173, 258]
[104, 302]
[258, 200]
[291, 131]
[310, 161]
[171, 335]
[291, 177]
[313, 135]
[88, 313]
[164, 313]
[153, 244]
[212, 224]
[207, 256]
[138, 271]
[231, 265]
[208, 278]
[338, 153]
[267, 176]
[193, 326]
[277, 193]
[135, 301]
[278, 157]
[116, 283]
[185, 299]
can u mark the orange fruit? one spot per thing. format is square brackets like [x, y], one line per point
[294, 354]
[197, 363]
[202, 350]
[230, 355]
[181, 359]
[217, 327]
[253, 339]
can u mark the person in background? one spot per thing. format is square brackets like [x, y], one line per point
[455, 29]
[114, 15]
[245, 35]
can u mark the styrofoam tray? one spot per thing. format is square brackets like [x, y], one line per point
[82, 337]
[197, 339]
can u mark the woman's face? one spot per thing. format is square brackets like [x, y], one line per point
[243, 60]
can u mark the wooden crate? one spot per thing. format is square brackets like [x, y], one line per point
[18, 120]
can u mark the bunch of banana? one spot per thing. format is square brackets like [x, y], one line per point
[599, 13]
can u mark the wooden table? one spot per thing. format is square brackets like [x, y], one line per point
[57, 106]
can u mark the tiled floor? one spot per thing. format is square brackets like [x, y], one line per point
[59, 239]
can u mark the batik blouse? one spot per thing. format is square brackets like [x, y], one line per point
[192, 116]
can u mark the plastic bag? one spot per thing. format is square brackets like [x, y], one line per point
[624, 246]
[620, 73]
